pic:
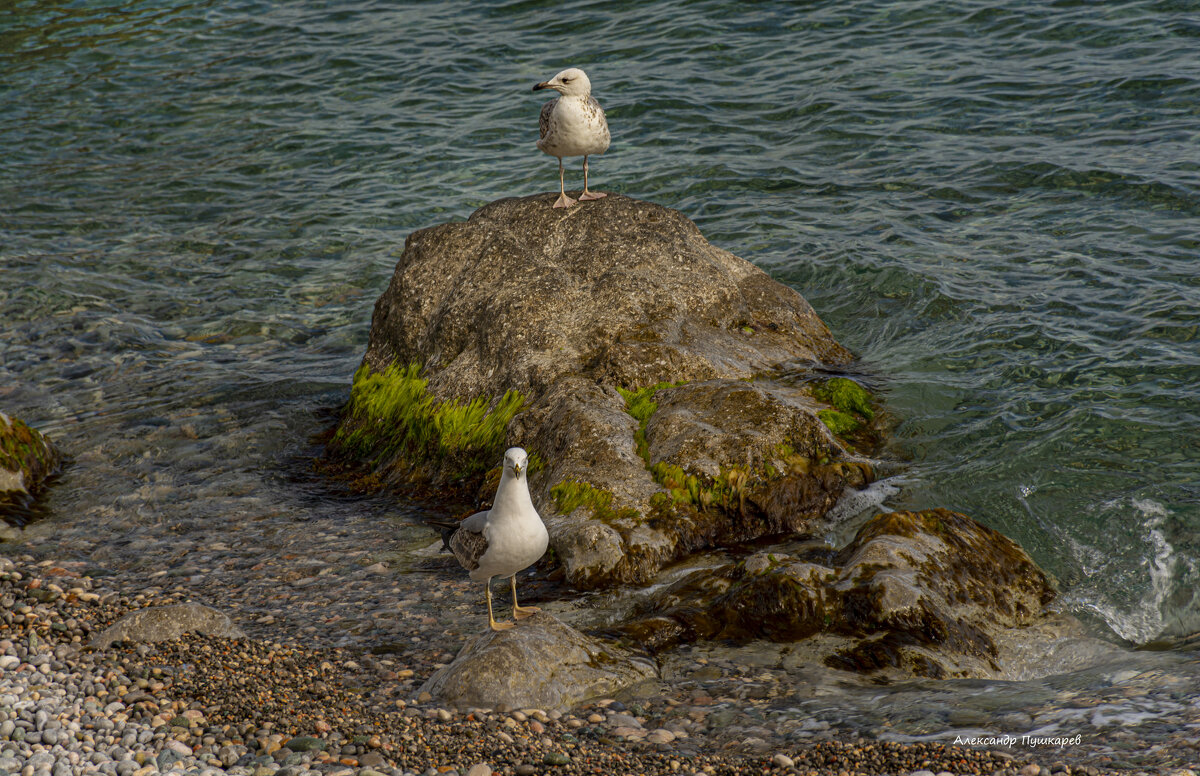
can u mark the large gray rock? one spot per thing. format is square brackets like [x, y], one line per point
[159, 623]
[27, 462]
[541, 663]
[932, 594]
[567, 307]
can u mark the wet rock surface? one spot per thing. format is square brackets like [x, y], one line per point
[27, 462]
[159, 623]
[932, 594]
[541, 663]
[573, 308]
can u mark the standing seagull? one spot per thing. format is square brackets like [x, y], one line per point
[572, 125]
[505, 539]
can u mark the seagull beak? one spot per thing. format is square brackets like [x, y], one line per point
[517, 469]
[542, 85]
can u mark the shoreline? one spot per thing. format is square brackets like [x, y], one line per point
[254, 707]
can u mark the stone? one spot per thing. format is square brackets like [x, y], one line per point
[372, 760]
[480, 769]
[623, 720]
[167, 758]
[28, 462]
[929, 594]
[540, 663]
[783, 761]
[660, 736]
[305, 744]
[719, 436]
[159, 623]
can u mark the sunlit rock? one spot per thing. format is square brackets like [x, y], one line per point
[541, 663]
[673, 397]
[932, 594]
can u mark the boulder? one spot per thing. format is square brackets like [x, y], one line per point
[159, 623]
[27, 462]
[931, 594]
[541, 663]
[672, 395]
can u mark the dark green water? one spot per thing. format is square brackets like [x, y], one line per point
[997, 205]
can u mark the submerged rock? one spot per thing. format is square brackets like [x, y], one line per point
[674, 397]
[159, 623]
[541, 663]
[932, 594]
[27, 462]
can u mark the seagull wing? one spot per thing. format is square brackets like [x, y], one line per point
[468, 543]
[544, 119]
[599, 118]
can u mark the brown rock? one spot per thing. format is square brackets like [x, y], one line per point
[930, 593]
[27, 463]
[568, 306]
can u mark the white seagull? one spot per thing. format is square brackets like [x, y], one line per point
[572, 125]
[505, 539]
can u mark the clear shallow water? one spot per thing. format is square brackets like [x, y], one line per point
[996, 205]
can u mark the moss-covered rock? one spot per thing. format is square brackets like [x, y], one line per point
[930, 593]
[852, 413]
[27, 462]
[654, 373]
[394, 426]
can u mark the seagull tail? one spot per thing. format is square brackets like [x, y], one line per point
[445, 528]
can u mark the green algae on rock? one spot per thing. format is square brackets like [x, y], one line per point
[932, 594]
[392, 422]
[27, 462]
[851, 417]
[649, 370]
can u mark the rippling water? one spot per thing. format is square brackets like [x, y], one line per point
[997, 205]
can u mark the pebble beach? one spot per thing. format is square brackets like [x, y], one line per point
[257, 707]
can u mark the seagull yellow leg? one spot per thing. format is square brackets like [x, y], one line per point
[496, 626]
[563, 199]
[520, 612]
[586, 195]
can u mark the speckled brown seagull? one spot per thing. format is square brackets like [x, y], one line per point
[505, 539]
[572, 125]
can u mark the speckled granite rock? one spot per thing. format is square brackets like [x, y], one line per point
[159, 623]
[541, 663]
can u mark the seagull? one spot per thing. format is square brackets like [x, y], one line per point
[572, 125]
[505, 539]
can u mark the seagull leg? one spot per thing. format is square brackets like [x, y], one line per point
[496, 626]
[563, 199]
[586, 195]
[520, 612]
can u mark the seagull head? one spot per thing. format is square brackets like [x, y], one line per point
[515, 462]
[571, 82]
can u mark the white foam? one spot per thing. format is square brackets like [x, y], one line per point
[855, 502]
[1143, 621]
